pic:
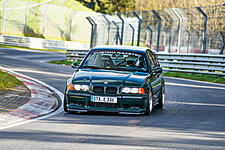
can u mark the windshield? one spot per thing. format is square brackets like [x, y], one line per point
[116, 60]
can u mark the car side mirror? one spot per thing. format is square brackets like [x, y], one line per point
[74, 65]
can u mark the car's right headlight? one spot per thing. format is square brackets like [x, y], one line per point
[79, 87]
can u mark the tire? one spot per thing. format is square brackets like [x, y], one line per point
[149, 106]
[65, 103]
[161, 98]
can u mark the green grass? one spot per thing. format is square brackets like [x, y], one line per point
[16, 47]
[63, 62]
[200, 77]
[8, 81]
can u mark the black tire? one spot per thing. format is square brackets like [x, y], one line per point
[65, 103]
[161, 98]
[149, 106]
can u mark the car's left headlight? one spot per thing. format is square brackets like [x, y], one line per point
[133, 90]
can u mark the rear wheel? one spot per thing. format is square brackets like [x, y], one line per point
[149, 106]
[161, 98]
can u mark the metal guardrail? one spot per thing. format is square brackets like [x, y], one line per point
[189, 63]
[39, 43]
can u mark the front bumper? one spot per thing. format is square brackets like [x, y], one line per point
[126, 104]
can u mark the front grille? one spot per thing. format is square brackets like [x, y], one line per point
[108, 90]
[111, 90]
[98, 89]
[104, 105]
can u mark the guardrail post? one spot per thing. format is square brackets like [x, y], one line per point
[223, 44]
[139, 27]
[3, 16]
[132, 43]
[188, 41]
[159, 28]
[117, 32]
[204, 30]
[151, 34]
[93, 28]
[122, 29]
[26, 18]
[109, 24]
[180, 28]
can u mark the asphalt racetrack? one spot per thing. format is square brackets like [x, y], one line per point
[193, 116]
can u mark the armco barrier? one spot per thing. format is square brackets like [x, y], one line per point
[190, 63]
[39, 43]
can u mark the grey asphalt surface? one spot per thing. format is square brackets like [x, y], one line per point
[193, 116]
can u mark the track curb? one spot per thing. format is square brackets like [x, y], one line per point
[43, 101]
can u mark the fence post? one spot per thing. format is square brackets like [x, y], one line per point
[204, 30]
[223, 44]
[159, 28]
[122, 29]
[60, 20]
[139, 27]
[109, 24]
[150, 29]
[34, 11]
[45, 14]
[188, 41]
[8, 15]
[132, 34]
[93, 28]
[26, 18]
[3, 16]
[180, 28]
[169, 30]
[117, 32]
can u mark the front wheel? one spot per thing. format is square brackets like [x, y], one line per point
[65, 103]
[149, 106]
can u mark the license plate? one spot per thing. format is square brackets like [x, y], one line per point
[104, 99]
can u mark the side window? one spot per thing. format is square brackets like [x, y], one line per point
[152, 64]
[155, 60]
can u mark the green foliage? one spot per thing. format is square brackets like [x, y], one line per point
[201, 77]
[109, 6]
[8, 81]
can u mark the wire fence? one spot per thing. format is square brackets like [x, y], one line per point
[176, 30]
[48, 19]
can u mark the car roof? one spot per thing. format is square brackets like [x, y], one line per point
[120, 47]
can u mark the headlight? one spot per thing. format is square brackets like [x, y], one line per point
[126, 90]
[79, 87]
[85, 88]
[133, 90]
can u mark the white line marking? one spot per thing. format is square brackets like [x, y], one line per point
[219, 84]
[197, 86]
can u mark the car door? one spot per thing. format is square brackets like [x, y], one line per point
[156, 70]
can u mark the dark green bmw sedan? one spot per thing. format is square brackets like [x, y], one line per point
[123, 79]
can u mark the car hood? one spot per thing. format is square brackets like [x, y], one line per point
[109, 77]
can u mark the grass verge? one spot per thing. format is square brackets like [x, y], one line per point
[63, 62]
[8, 81]
[200, 77]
